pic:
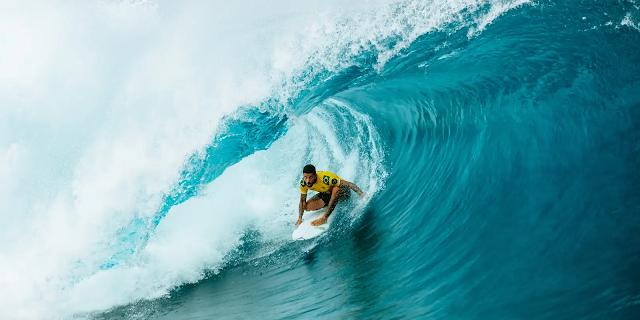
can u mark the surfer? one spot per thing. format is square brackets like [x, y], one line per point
[331, 190]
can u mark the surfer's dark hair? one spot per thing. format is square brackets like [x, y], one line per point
[309, 169]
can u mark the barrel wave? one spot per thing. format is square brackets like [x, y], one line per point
[499, 142]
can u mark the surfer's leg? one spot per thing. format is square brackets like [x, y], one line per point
[315, 203]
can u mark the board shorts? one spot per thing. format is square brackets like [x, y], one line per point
[343, 195]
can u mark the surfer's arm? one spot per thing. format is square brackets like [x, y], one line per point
[347, 184]
[303, 204]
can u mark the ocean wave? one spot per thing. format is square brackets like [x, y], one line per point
[161, 144]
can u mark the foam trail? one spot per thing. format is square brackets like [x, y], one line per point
[628, 22]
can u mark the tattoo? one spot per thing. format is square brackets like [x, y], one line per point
[353, 187]
[303, 205]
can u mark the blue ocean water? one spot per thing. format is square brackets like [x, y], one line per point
[501, 150]
[509, 191]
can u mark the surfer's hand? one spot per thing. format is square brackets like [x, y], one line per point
[298, 222]
[320, 221]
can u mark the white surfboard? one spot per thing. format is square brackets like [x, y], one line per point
[306, 231]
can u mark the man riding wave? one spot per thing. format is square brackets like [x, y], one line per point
[331, 190]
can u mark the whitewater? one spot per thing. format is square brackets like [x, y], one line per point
[150, 153]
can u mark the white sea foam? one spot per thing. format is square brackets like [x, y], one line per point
[628, 22]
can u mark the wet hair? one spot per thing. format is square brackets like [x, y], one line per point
[309, 169]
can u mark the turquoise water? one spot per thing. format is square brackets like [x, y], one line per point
[512, 161]
[500, 142]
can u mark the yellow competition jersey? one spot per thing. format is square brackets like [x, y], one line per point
[325, 182]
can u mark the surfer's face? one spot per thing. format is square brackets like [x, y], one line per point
[310, 178]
